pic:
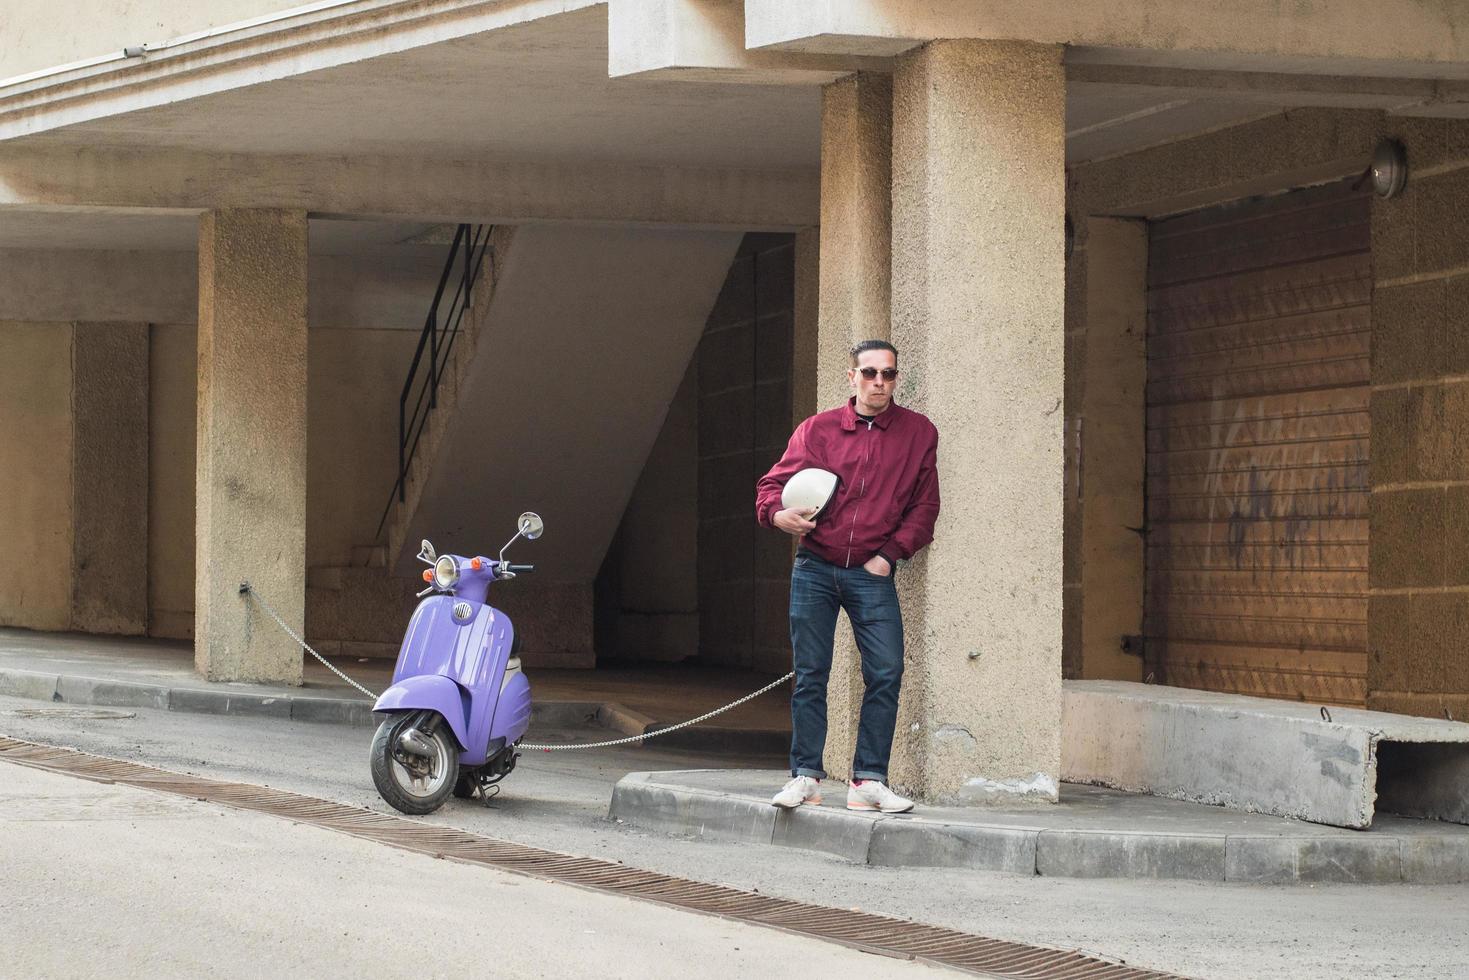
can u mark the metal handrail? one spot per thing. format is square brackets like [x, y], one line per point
[437, 338]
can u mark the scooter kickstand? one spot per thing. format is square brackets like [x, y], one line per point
[485, 794]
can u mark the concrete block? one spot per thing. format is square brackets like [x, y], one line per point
[727, 358]
[772, 419]
[28, 684]
[564, 714]
[735, 302]
[1408, 325]
[714, 816]
[913, 843]
[1261, 860]
[1275, 757]
[1394, 457]
[727, 487]
[1435, 860]
[226, 702]
[1438, 623]
[1100, 854]
[1357, 861]
[727, 423]
[1437, 204]
[774, 337]
[89, 690]
[1456, 545]
[622, 719]
[1406, 538]
[1394, 236]
[333, 711]
[832, 831]
[1387, 642]
[1453, 353]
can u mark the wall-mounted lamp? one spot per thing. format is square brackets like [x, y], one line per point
[1389, 168]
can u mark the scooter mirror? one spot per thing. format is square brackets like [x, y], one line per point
[531, 525]
[426, 552]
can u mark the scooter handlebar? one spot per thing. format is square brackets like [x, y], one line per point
[517, 569]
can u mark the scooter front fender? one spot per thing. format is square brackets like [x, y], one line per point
[429, 692]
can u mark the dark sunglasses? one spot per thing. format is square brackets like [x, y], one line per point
[888, 374]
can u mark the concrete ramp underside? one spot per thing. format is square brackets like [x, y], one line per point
[577, 356]
[1333, 766]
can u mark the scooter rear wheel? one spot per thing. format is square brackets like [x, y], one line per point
[412, 784]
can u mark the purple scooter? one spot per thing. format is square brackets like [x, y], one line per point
[459, 703]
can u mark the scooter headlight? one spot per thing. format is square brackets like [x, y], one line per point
[446, 573]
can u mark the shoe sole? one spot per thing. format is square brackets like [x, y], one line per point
[814, 801]
[871, 807]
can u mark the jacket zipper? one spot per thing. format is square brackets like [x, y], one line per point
[861, 492]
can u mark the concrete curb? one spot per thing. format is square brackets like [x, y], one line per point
[225, 700]
[653, 801]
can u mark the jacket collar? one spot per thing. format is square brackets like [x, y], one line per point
[849, 415]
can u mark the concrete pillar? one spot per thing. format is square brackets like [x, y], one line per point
[978, 284]
[1113, 442]
[109, 487]
[854, 305]
[250, 488]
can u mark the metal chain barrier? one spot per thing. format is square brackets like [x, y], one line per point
[662, 731]
[246, 589]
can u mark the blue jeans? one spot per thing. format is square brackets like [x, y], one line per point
[818, 590]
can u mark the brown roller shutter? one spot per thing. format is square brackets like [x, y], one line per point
[1258, 333]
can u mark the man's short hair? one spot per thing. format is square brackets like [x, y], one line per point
[868, 345]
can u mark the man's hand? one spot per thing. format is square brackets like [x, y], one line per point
[878, 565]
[793, 520]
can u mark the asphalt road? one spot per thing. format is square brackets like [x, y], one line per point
[558, 801]
[119, 882]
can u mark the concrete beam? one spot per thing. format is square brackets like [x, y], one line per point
[91, 285]
[704, 40]
[1392, 37]
[413, 189]
[249, 52]
[1286, 90]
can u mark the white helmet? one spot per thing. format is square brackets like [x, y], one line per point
[809, 488]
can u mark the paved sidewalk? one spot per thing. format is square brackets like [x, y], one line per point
[1091, 833]
[75, 668]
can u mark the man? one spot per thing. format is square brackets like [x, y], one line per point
[883, 511]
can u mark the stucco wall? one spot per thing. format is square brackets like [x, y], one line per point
[647, 593]
[352, 403]
[35, 475]
[171, 480]
[354, 380]
[42, 35]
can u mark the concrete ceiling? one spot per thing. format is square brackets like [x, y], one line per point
[540, 91]
[537, 91]
[152, 231]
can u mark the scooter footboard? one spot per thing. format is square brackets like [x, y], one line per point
[430, 692]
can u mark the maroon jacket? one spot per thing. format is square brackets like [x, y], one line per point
[888, 498]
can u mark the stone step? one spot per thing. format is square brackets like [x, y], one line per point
[1335, 766]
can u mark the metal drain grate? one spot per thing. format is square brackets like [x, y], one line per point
[863, 930]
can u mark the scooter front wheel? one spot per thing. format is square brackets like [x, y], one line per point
[415, 762]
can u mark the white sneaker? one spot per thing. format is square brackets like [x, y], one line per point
[872, 795]
[802, 789]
